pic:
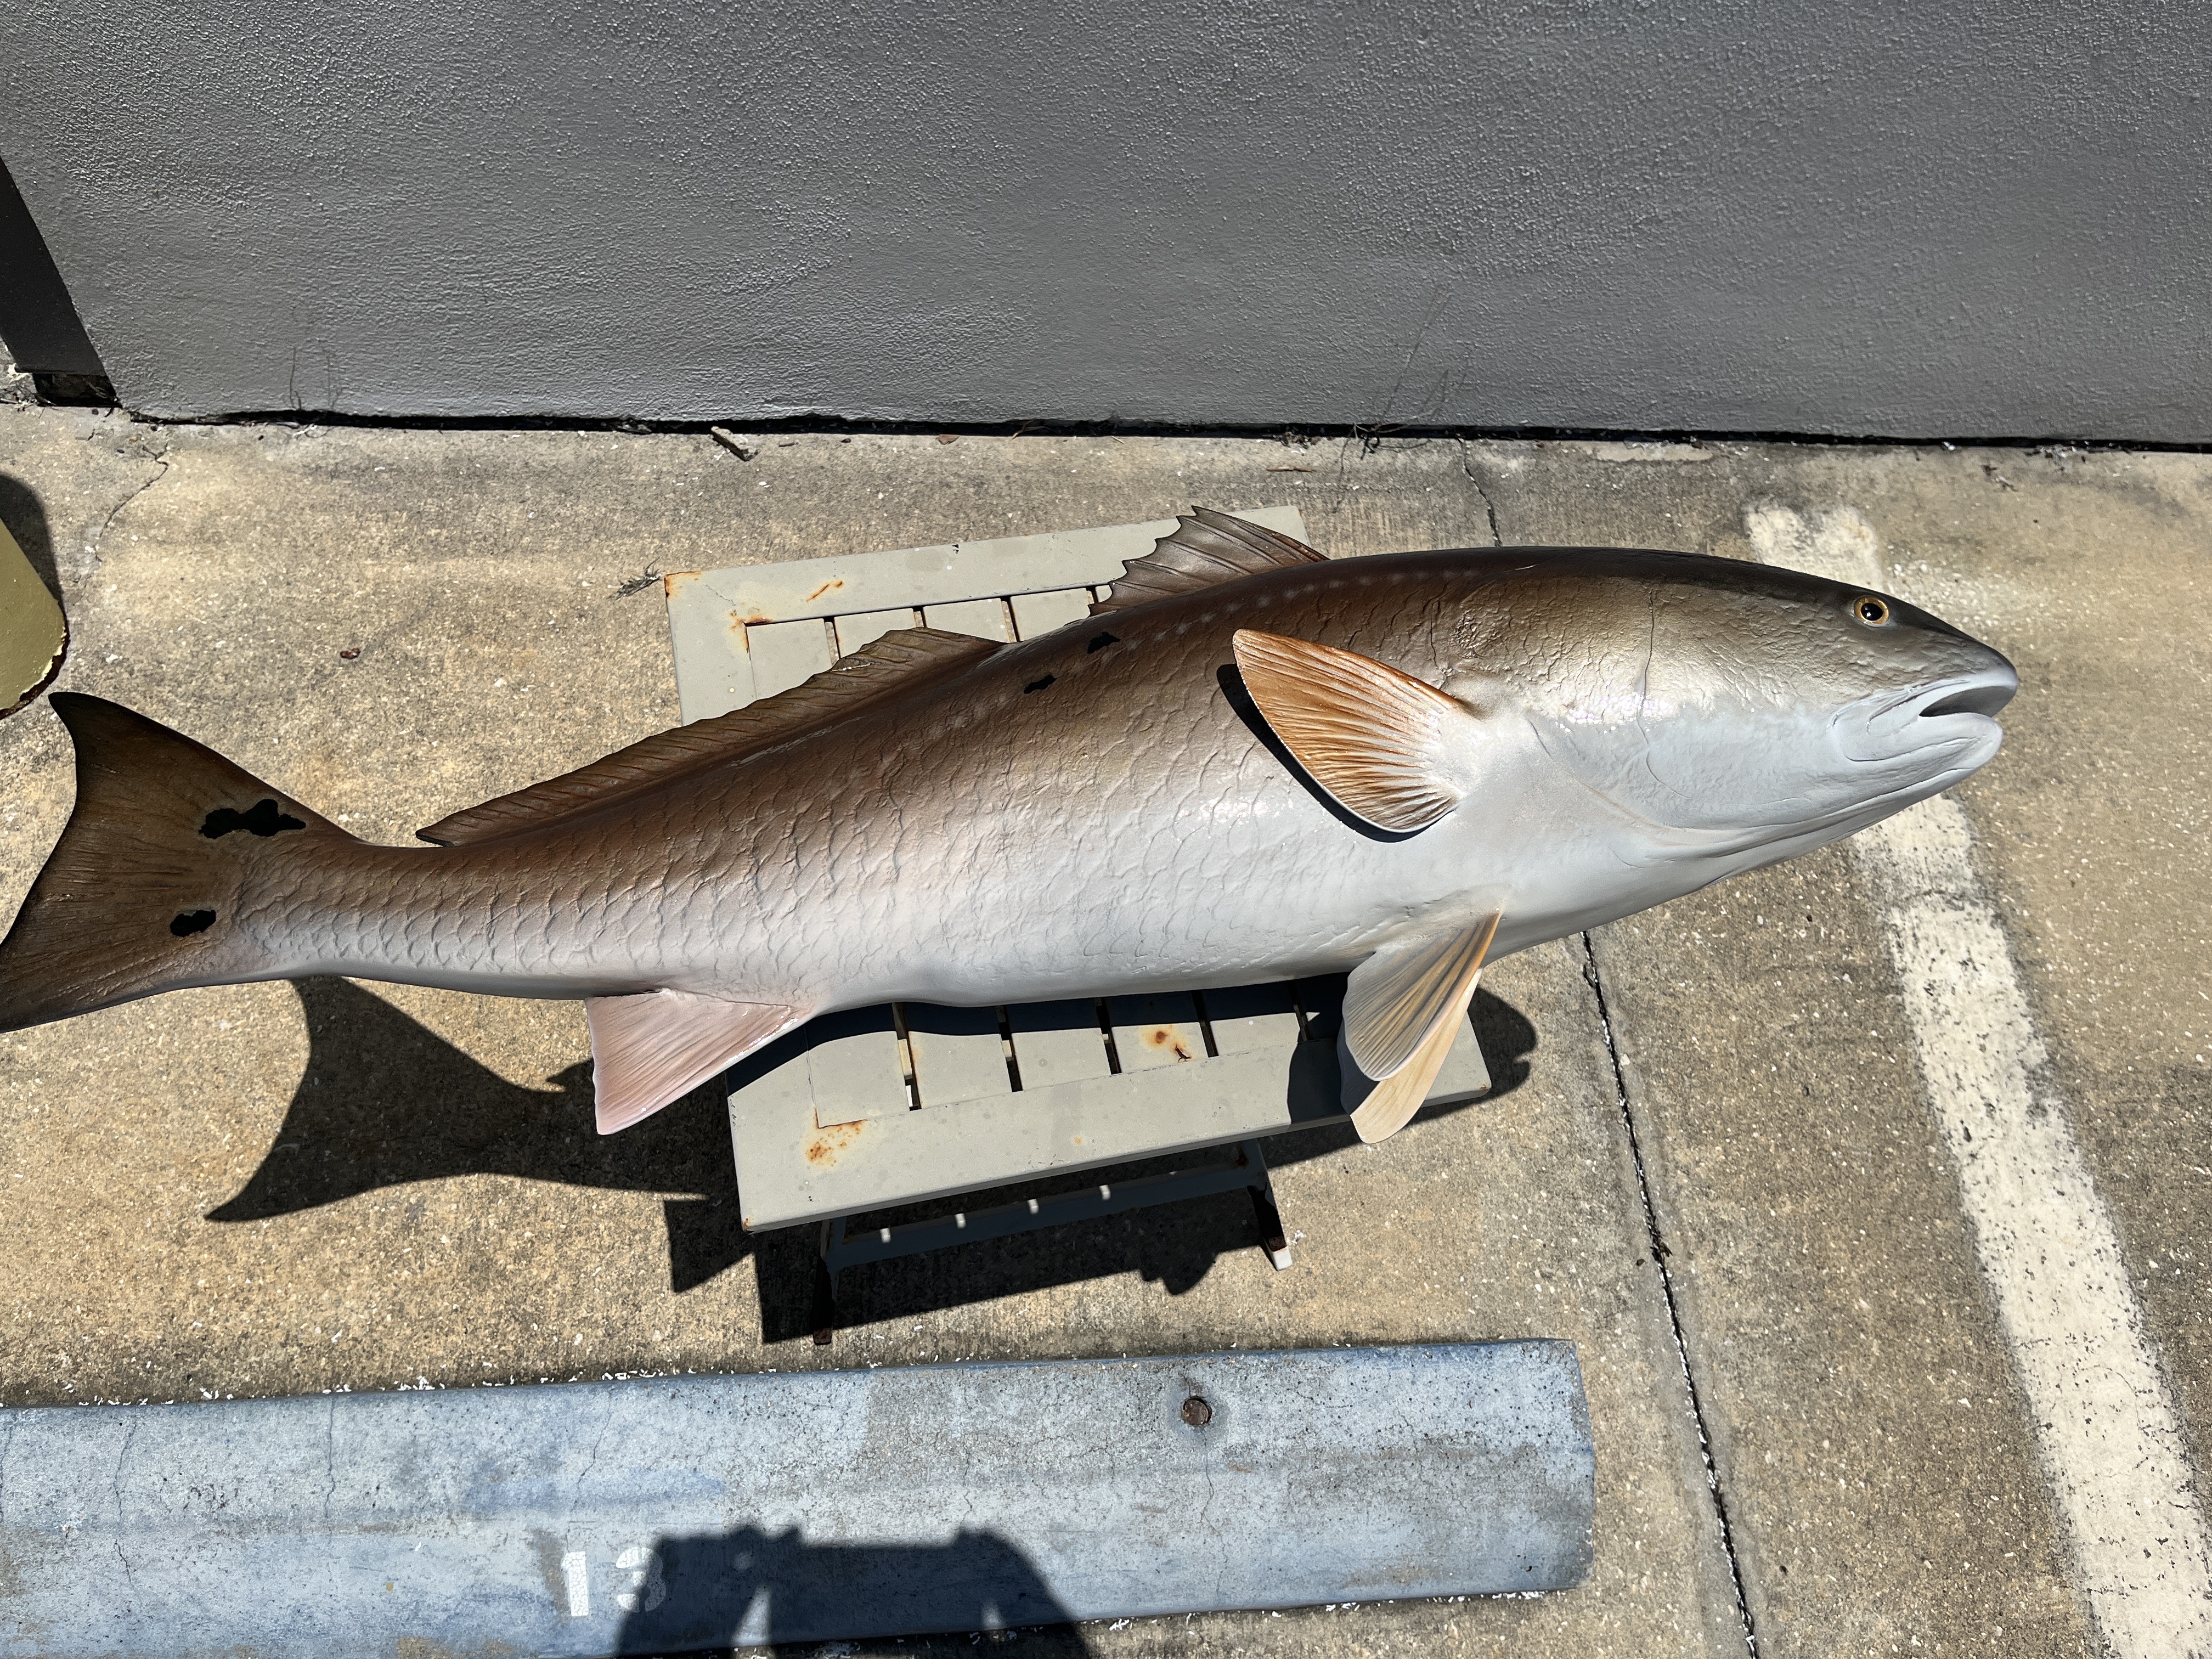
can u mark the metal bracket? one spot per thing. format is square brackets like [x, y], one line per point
[838, 1249]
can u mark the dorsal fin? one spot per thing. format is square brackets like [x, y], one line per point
[904, 660]
[1206, 547]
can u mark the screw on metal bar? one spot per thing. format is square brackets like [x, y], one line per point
[1196, 1412]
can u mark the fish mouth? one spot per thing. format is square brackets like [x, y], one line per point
[1984, 694]
[1955, 713]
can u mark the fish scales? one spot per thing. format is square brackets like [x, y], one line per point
[1398, 766]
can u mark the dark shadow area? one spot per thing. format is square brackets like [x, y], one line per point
[707, 1592]
[1173, 1245]
[25, 515]
[38, 319]
[385, 1102]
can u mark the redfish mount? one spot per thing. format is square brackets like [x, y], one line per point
[1251, 762]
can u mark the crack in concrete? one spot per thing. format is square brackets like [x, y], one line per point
[1666, 1288]
[161, 459]
[122, 1521]
[1489, 506]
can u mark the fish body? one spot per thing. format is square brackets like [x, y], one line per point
[1288, 767]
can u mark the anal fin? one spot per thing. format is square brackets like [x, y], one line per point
[656, 1047]
[1402, 1014]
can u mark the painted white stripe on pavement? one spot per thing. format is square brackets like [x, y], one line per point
[2111, 1441]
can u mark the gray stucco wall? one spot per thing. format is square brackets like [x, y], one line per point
[1953, 220]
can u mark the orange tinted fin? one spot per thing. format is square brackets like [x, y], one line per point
[1390, 750]
[1402, 1010]
[657, 1046]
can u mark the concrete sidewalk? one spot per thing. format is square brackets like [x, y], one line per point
[1715, 1162]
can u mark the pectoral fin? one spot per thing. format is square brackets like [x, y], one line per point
[1388, 748]
[657, 1046]
[1402, 1014]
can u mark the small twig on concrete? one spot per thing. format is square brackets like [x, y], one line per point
[639, 583]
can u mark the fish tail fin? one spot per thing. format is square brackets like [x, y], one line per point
[142, 892]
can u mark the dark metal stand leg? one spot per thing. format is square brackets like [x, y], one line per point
[1262, 1191]
[824, 1314]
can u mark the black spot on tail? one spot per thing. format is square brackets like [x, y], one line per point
[1038, 686]
[1099, 642]
[192, 922]
[262, 818]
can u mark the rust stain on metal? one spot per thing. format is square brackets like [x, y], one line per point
[835, 581]
[675, 581]
[825, 1147]
[1166, 1036]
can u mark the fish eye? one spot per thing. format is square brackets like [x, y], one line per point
[1870, 610]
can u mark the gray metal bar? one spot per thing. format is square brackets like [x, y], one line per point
[661, 1516]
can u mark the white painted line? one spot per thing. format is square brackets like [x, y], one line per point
[2111, 1441]
[575, 1570]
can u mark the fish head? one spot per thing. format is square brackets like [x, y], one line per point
[1734, 705]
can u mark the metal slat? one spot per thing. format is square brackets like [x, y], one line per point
[857, 629]
[1040, 613]
[1057, 1042]
[790, 1171]
[1464, 1075]
[985, 618]
[784, 654]
[939, 574]
[683, 1513]
[840, 1068]
[1249, 1018]
[857, 1250]
[714, 670]
[959, 1054]
[1155, 1031]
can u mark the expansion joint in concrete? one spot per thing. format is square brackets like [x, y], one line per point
[1659, 1253]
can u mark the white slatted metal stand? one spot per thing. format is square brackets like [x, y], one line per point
[862, 1111]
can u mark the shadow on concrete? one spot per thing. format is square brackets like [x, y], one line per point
[385, 1101]
[25, 515]
[710, 1592]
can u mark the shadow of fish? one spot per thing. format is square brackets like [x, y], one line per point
[1248, 762]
